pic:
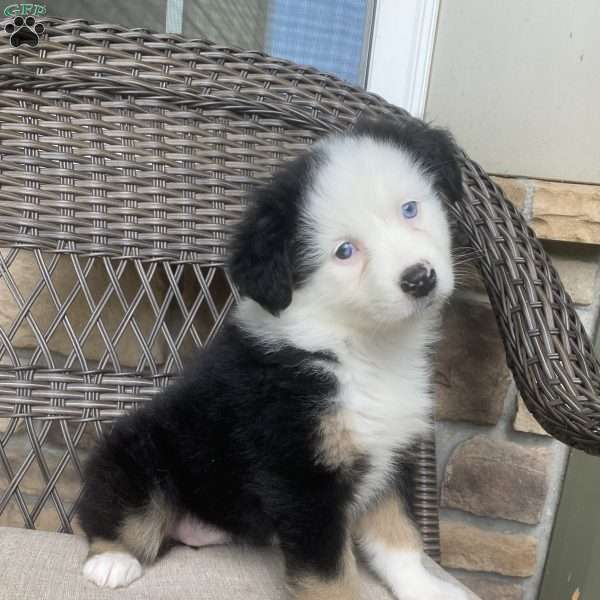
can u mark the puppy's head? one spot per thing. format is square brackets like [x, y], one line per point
[356, 227]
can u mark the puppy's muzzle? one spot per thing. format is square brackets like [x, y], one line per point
[418, 280]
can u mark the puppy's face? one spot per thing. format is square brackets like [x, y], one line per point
[377, 230]
[357, 228]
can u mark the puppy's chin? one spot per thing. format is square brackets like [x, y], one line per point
[407, 309]
[429, 306]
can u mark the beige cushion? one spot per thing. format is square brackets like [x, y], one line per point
[36, 565]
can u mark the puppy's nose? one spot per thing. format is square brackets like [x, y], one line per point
[418, 280]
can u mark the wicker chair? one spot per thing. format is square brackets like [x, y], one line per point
[126, 156]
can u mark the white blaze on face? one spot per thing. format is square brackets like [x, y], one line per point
[378, 209]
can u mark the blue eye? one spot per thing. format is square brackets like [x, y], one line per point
[410, 210]
[344, 251]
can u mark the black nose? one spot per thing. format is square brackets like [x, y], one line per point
[418, 280]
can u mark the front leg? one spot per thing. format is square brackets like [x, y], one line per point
[393, 547]
[317, 545]
[308, 580]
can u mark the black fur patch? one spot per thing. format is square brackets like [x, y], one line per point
[267, 258]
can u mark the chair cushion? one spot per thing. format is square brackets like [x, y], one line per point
[37, 565]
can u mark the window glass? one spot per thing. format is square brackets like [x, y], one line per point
[327, 34]
[331, 35]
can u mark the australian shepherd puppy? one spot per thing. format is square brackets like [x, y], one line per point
[292, 428]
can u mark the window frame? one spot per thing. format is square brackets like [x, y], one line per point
[401, 52]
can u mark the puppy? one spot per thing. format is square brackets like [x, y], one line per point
[293, 426]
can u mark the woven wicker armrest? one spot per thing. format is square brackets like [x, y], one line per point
[547, 349]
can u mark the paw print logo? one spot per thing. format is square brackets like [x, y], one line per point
[24, 31]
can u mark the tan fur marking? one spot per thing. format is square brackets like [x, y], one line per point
[143, 533]
[312, 588]
[388, 523]
[100, 545]
[337, 448]
[344, 587]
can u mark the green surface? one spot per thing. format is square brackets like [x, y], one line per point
[573, 564]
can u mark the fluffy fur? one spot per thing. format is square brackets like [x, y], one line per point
[292, 427]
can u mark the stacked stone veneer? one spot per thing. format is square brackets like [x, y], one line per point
[500, 474]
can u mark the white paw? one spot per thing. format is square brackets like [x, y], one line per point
[112, 569]
[405, 573]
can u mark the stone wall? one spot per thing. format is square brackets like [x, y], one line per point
[500, 475]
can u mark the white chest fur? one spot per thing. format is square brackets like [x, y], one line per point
[384, 404]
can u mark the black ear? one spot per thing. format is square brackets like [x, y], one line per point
[263, 260]
[441, 159]
[433, 148]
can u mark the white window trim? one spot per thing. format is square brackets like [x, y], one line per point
[401, 52]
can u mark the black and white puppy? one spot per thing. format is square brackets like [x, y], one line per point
[292, 427]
